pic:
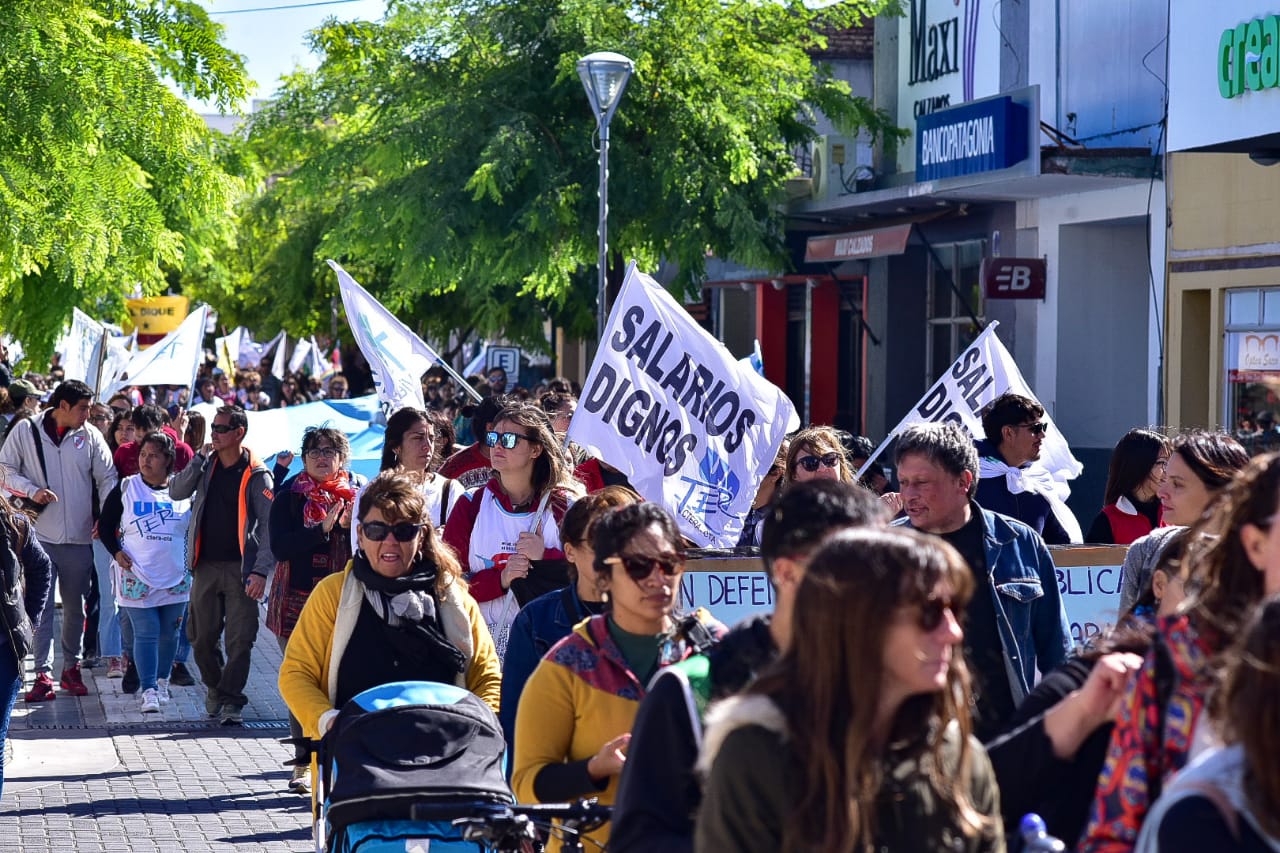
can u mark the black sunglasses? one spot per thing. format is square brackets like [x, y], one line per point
[932, 613]
[1039, 428]
[222, 429]
[378, 531]
[811, 463]
[638, 568]
[507, 439]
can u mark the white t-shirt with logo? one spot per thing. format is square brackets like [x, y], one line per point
[153, 532]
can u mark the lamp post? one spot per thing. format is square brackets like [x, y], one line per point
[604, 76]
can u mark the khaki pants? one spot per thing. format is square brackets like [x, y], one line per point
[219, 603]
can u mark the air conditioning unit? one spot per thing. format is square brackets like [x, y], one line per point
[838, 164]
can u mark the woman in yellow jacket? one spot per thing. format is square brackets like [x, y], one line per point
[399, 612]
[575, 715]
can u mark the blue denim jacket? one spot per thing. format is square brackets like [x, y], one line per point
[1023, 582]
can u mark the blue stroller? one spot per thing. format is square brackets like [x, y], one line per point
[407, 744]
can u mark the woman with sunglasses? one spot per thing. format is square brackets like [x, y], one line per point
[576, 711]
[817, 453]
[1131, 508]
[858, 737]
[398, 612]
[309, 524]
[509, 527]
[1233, 555]
[1200, 466]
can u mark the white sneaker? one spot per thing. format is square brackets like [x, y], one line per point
[150, 701]
[162, 690]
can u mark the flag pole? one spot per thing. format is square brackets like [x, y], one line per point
[466, 386]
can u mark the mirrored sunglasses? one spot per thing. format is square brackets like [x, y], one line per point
[507, 440]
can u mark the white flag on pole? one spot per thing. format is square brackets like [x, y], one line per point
[82, 350]
[984, 371]
[172, 360]
[227, 349]
[668, 405]
[277, 363]
[119, 352]
[316, 364]
[396, 356]
[301, 350]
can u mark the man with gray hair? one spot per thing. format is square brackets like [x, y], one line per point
[1015, 623]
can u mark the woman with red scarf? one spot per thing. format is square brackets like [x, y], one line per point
[311, 539]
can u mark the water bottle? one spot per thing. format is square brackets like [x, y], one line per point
[1036, 838]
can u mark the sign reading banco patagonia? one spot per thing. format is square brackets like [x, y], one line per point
[982, 136]
[1248, 57]
[948, 53]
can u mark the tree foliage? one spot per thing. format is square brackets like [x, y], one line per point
[109, 182]
[445, 155]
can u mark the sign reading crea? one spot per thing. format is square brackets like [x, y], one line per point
[1247, 57]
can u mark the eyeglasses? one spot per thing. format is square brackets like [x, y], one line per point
[323, 453]
[497, 378]
[222, 429]
[1039, 428]
[378, 531]
[507, 439]
[811, 463]
[638, 568]
[932, 613]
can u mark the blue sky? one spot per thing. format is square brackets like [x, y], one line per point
[274, 41]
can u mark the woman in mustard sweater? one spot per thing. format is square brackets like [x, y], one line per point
[399, 612]
[576, 711]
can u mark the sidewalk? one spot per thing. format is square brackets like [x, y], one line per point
[95, 774]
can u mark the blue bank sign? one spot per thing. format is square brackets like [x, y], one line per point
[980, 136]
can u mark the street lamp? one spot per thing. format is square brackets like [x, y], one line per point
[604, 76]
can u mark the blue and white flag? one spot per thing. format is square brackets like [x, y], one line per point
[396, 356]
[173, 359]
[669, 406]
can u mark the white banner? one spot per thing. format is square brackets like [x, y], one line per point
[120, 349]
[82, 349]
[983, 372]
[670, 407]
[173, 359]
[397, 357]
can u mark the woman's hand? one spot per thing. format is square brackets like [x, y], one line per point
[181, 422]
[123, 561]
[344, 520]
[517, 567]
[531, 545]
[335, 513]
[285, 458]
[893, 500]
[609, 760]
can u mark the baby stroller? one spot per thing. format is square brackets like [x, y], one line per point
[407, 744]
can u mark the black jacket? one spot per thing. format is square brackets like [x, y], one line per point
[659, 792]
[1032, 778]
[25, 581]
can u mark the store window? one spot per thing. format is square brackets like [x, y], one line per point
[1252, 359]
[951, 328]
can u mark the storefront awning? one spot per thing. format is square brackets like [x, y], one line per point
[858, 245]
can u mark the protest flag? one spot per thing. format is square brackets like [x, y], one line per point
[83, 348]
[278, 363]
[669, 406]
[301, 350]
[174, 359]
[984, 371]
[397, 357]
[227, 350]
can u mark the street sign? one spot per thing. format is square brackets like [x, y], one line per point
[1014, 278]
[508, 358]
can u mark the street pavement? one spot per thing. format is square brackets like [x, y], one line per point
[94, 774]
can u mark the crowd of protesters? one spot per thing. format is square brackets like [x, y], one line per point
[915, 687]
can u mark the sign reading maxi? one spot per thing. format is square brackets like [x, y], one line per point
[980, 136]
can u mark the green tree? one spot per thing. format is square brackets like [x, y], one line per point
[109, 182]
[445, 155]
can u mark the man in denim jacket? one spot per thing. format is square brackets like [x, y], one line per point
[1015, 623]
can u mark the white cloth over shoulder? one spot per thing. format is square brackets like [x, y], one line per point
[1038, 481]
